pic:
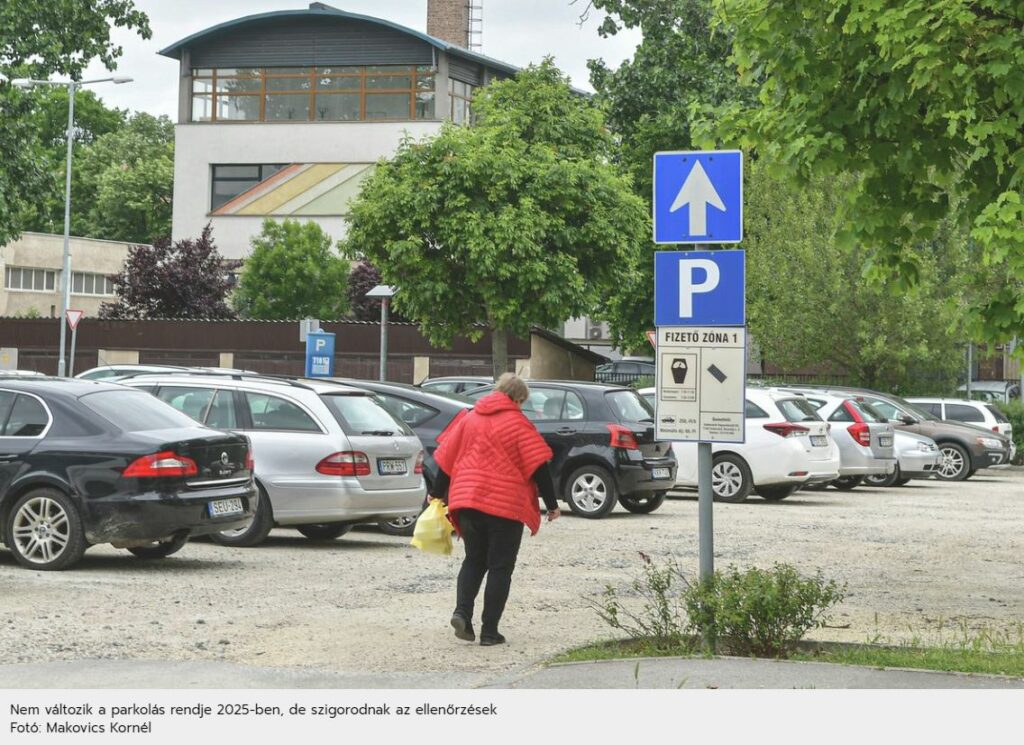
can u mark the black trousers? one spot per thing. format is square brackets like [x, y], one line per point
[492, 545]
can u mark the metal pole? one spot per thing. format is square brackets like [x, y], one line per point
[384, 338]
[970, 368]
[71, 361]
[705, 503]
[65, 277]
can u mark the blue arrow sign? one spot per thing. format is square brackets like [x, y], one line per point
[698, 197]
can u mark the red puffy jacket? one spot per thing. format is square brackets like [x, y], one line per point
[491, 452]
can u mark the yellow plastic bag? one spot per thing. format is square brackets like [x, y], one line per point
[433, 532]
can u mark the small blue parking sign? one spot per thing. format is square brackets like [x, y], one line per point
[319, 355]
[698, 197]
[699, 288]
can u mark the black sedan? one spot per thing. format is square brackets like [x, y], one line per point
[603, 441]
[84, 463]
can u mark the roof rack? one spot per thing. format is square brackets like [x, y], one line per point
[233, 374]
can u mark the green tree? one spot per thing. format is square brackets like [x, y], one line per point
[519, 220]
[921, 98]
[293, 273]
[59, 37]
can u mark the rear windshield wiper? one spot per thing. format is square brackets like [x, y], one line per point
[378, 432]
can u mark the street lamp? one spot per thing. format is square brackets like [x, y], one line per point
[385, 293]
[65, 279]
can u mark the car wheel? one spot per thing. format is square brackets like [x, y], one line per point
[642, 504]
[44, 531]
[955, 464]
[590, 492]
[160, 549]
[775, 493]
[324, 531]
[255, 532]
[730, 478]
[403, 526]
[846, 483]
[883, 479]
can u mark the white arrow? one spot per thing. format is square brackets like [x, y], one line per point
[698, 192]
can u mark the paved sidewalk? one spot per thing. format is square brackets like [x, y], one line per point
[648, 673]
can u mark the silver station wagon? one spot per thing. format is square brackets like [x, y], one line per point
[327, 456]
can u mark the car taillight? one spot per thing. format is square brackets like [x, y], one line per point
[349, 463]
[860, 433]
[419, 463]
[622, 437]
[995, 428]
[787, 429]
[161, 465]
[250, 464]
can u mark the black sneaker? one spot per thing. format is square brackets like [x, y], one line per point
[463, 628]
[489, 639]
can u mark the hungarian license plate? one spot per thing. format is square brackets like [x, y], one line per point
[819, 441]
[391, 466]
[223, 507]
[661, 473]
[885, 441]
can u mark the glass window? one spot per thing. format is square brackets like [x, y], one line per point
[272, 412]
[627, 368]
[1000, 416]
[283, 107]
[389, 82]
[222, 414]
[544, 404]
[424, 105]
[6, 401]
[387, 105]
[292, 84]
[192, 402]
[77, 282]
[34, 280]
[228, 181]
[412, 413]
[135, 411]
[339, 83]
[963, 413]
[841, 414]
[238, 108]
[237, 85]
[338, 107]
[424, 82]
[202, 86]
[28, 418]
[362, 415]
[446, 386]
[202, 108]
[868, 412]
[886, 409]
[932, 408]
[629, 407]
[574, 409]
[797, 410]
[753, 411]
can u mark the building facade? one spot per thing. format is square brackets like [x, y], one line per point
[283, 114]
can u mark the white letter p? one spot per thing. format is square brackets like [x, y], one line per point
[687, 289]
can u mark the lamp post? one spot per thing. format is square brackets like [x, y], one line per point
[385, 293]
[65, 276]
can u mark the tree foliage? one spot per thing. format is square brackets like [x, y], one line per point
[519, 220]
[293, 273]
[364, 277]
[183, 279]
[57, 37]
[921, 99]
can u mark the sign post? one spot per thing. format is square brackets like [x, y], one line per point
[74, 317]
[319, 354]
[700, 314]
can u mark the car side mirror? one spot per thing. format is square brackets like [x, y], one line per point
[908, 420]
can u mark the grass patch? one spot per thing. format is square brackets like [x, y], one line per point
[923, 658]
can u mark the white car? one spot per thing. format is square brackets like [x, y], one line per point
[978, 413]
[787, 446]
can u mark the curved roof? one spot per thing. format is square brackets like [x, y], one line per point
[319, 10]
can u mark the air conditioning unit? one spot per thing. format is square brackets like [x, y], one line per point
[595, 332]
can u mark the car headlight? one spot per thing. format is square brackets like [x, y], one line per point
[925, 447]
[988, 442]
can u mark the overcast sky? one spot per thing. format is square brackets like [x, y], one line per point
[515, 31]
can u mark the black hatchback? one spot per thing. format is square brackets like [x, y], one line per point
[84, 463]
[603, 441]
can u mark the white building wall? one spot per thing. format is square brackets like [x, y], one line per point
[199, 146]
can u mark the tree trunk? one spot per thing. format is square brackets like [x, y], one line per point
[499, 351]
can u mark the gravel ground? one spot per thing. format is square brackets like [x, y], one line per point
[368, 603]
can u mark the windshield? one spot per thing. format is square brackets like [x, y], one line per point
[869, 412]
[362, 415]
[797, 410]
[136, 411]
[917, 412]
[628, 406]
[1000, 416]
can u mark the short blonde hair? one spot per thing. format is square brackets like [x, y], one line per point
[513, 386]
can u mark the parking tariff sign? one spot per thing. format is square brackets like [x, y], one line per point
[319, 355]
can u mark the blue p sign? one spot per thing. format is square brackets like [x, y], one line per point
[699, 288]
[319, 355]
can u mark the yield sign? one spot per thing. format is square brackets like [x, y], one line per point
[652, 338]
[74, 316]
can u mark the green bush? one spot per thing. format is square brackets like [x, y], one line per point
[760, 612]
[1014, 411]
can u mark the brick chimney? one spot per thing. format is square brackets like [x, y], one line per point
[449, 20]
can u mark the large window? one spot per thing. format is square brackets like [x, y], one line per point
[304, 94]
[231, 180]
[87, 283]
[461, 95]
[35, 280]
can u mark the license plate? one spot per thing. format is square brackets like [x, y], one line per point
[885, 441]
[661, 473]
[391, 466]
[223, 507]
[819, 441]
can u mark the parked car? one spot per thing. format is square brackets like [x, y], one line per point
[971, 412]
[456, 383]
[864, 437]
[427, 413]
[624, 372]
[104, 372]
[917, 457]
[964, 448]
[787, 446]
[86, 463]
[604, 449]
[328, 456]
[992, 390]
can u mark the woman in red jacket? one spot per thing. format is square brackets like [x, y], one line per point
[492, 463]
